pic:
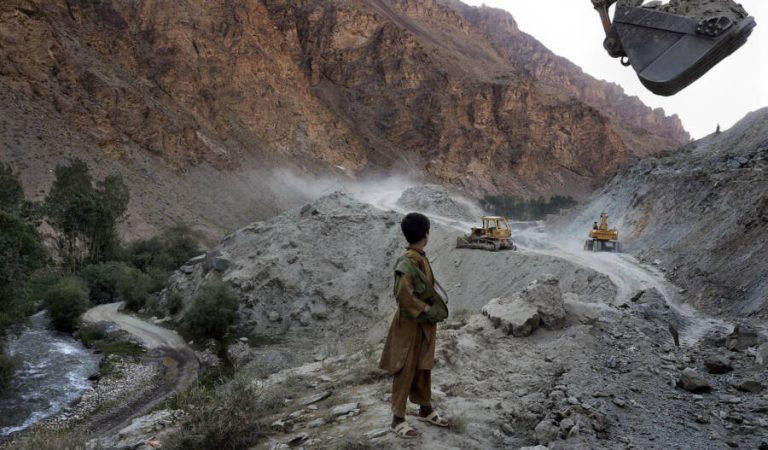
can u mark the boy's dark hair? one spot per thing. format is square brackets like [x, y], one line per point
[415, 226]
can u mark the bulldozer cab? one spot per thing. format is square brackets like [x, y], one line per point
[495, 227]
[672, 44]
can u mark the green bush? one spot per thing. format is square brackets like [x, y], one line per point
[174, 303]
[66, 301]
[212, 312]
[134, 287]
[90, 333]
[166, 252]
[102, 280]
[230, 416]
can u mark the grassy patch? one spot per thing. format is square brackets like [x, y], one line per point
[39, 438]
[119, 348]
[93, 336]
[230, 416]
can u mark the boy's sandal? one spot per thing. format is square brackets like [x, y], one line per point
[434, 419]
[405, 430]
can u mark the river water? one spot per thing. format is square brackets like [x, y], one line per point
[53, 371]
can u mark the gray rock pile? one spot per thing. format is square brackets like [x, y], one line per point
[314, 270]
[539, 304]
[437, 200]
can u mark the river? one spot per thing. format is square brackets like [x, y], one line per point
[53, 371]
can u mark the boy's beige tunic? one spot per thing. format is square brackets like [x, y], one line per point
[405, 333]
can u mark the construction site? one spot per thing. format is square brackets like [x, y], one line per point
[268, 224]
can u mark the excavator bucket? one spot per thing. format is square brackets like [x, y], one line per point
[671, 51]
[670, 45]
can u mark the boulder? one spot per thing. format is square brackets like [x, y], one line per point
[147, 426]
[691, 381]
[546, 296]
[215, 260]
[761, 356]
[718, 364]
[742, 338]
[315, 398]
[514, 316]
[749, 386]
[343, 410]
[546, 431]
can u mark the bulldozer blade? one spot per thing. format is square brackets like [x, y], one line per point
[669, 51]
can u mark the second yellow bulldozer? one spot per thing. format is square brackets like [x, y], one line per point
[494, 235]
[602, 238]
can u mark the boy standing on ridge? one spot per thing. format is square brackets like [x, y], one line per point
[409, 352]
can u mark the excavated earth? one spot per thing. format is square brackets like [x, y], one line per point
[597, 371]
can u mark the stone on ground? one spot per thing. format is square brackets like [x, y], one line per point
[692, 381]
[749, 386]
[742, 338]
[546, 296]
[514, 316]
[718, 364]
[761, 357]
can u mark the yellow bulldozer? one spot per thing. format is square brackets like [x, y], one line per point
[602, 238]
[494, 235]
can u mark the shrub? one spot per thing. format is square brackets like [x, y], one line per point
[227, 417]
[212, 311]
[102, 280]
[133, 287]
[174, 303]
[66, 301]
[166, 252]
[90, 333]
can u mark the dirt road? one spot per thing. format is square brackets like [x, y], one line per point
[626, 273]
[151, 336]
[177, 362]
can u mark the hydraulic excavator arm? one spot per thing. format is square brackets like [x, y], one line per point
[671, 45]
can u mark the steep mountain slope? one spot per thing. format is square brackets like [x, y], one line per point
[703, 213]
[436, 89]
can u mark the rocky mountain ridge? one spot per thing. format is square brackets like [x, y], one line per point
[435, 89]
[701, 214]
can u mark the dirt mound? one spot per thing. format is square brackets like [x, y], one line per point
[323, 273]
[313, 270]
[436, 200]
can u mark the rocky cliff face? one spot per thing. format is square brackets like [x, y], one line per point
[701, 214]
[435, 88]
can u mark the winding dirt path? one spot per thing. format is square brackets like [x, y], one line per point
[624, 270]
[178, 364]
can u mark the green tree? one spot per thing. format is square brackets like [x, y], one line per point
[85, 216]
[65, 302]
[212, 311]
[21, 253]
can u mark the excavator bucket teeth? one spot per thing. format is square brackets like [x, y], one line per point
[670, 51]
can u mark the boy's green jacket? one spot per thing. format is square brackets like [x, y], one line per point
[424, 290]
[404, 330]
